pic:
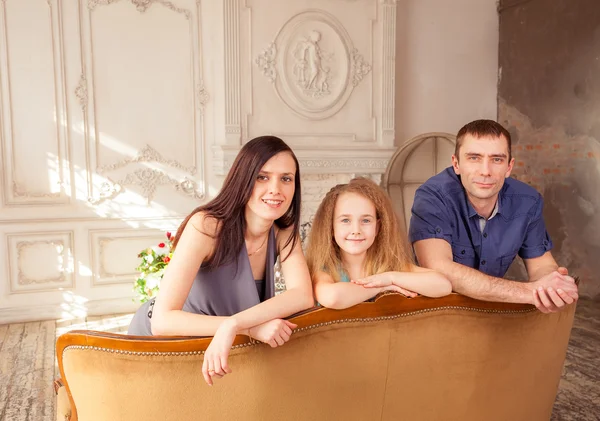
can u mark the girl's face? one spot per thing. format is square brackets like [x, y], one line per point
[354, 223]
[274, 188]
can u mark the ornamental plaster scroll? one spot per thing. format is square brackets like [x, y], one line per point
[313, 64]
[147, 154]
[150, 179]
[22, 279]
[142, 5]
[266, 62]
[108, 191]
[202, 95]
[360, 68]
[81, 93]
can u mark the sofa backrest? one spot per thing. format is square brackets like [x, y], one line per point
[451, 358]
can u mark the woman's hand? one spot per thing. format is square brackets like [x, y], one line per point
[385, 281]
[215, 356]
[275, 332]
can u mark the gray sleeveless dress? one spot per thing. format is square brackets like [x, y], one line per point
[224, 291]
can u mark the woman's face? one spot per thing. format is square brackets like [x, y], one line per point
[274, 188]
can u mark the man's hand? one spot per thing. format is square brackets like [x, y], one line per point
[554, 290]
[274, 332]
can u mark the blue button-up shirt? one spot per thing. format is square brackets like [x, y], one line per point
[441, 210]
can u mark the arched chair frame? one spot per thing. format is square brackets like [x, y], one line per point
[393, 184]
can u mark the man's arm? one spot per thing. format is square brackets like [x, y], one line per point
[436, 254]
[538, 267]
[548, 289]
[546, 298]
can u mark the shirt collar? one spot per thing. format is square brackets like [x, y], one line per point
[496, 210]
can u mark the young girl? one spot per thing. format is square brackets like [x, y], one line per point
[356, 249]
[220, 280]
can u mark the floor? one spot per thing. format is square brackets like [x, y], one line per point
[27, 365]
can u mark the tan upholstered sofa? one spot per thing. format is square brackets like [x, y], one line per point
[451, 358]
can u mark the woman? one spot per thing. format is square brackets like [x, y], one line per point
[220, 280]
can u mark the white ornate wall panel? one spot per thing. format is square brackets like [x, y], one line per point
[34, 138]
[120, 116]
[40, 262]
[314, 74]
[140, 100]
[113, 262]
[102, 146]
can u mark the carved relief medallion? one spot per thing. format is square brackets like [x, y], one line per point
[313, 64]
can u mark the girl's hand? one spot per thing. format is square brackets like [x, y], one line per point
[385, 281]
[405, 292]
[374, 281]
[275, 332]
[215, 356]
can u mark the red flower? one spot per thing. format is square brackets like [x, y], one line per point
[161, 245]
[168, 235]
[166, 259]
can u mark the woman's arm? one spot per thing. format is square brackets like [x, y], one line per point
[423, 281]
[297, 296]
[195, 245]
[340, 295]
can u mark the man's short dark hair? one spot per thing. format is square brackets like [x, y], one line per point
[482, 128]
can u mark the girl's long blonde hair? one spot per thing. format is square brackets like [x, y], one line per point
[389, 252]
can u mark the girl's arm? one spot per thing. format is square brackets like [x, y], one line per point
[193, 248]
[423, 281]
[340, 295]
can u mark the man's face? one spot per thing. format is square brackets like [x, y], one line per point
[483, 165]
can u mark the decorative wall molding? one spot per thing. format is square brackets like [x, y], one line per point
[102, 271]
[149, 179]
[46, 278]
[81, 93]
[146, 154]
[202, 95]
[360, 68]
[320, 81]
[85, 93]
[141, 5]
[266, 62]
[15, 193]
[55, 310]
[233, 110]
[19, 191]
[22, 279]
[319, 161]
[388, 83]
[108, 190]
[132, 239]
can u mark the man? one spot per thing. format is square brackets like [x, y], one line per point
[470, 221]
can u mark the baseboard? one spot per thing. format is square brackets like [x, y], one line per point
[55, 312]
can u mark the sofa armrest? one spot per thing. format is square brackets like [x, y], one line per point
[63, 405]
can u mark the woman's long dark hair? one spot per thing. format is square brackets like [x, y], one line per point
[229, 205]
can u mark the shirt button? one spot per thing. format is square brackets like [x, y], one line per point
[462, 252]
[438, 230]
[485, 235]
[483, 262]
